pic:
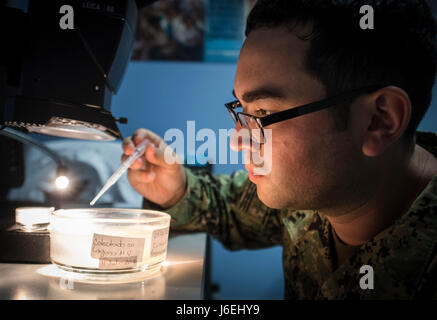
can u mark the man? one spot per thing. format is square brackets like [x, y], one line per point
[351, 183]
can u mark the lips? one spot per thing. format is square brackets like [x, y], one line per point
[255, 173]
[249, 169]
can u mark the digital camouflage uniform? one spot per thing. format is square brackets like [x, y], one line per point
[403, 256]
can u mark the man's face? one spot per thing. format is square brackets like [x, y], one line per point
[313, 163]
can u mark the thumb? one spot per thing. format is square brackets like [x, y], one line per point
[164, 156]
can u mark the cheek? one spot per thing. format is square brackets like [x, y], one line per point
[300, 148]
[288, 151]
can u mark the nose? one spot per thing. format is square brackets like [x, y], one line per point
[240, 139]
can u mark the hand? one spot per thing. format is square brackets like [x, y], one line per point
[150, 175]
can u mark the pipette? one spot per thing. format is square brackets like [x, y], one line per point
[138, 152]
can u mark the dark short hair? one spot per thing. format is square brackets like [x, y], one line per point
[399, 51]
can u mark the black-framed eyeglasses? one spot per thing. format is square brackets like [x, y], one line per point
[251, 122]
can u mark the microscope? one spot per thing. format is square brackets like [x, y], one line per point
[56, 81]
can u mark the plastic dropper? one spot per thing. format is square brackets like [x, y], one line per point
[138, 152]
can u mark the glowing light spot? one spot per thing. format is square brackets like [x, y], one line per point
[62, 182]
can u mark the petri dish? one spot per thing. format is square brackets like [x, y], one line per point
[101, 245]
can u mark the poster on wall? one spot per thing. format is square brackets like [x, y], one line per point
[191, 30]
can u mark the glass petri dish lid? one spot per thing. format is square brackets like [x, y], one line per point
[112, 215]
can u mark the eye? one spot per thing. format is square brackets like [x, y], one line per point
[262, 112]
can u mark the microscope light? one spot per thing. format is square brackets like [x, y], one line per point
[73, 131]
[62, 182]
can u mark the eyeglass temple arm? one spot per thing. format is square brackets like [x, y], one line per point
[315, 106]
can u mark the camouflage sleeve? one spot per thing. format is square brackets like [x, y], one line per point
[228, 208]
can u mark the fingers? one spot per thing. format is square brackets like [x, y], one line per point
[155, 156]
[128, 146]
[164, 156]
[137, 165]
[146, 175]
[141, 134]
[157, 153]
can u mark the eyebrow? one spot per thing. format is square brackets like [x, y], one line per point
[261, 93]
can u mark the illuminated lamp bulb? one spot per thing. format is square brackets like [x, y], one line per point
[62, 182]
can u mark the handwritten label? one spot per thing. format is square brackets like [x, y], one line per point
[159, 242]
[118, 263]
[117, 252]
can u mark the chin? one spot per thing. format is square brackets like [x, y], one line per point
[269, 199]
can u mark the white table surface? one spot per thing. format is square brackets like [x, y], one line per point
[182, 278]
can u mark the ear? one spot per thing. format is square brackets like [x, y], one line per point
[390, 114]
